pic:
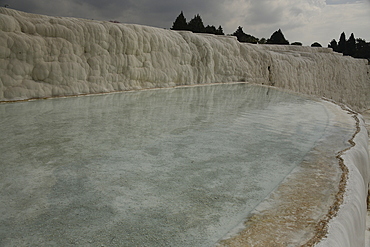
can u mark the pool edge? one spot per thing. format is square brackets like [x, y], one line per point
[345, 222]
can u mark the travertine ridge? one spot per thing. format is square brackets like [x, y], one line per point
[43, 56]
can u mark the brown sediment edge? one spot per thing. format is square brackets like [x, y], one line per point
[323, 225]
[367, 125]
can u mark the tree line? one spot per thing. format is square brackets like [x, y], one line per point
[195, 25]
[357, 48]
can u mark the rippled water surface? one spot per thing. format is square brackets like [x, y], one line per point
[169, 167]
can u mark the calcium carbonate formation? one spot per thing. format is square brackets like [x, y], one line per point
[42, 56]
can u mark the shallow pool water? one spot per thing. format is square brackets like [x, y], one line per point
[168, 167]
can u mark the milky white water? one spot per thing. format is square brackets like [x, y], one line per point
[168, 167]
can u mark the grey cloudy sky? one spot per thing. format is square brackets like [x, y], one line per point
[306, 21]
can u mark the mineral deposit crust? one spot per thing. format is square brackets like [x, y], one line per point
[43, 56]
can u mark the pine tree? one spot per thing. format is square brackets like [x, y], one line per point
[362, 49]
[357, 48]
[333, 45]
[220, 31]
[180, 23]
[350, 46]
[243, 37]
[342, 43]
[210, 29]
[196, 24]
[278, 38]
[239, 34]
[262, 41]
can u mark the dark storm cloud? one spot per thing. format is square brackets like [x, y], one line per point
[262, 12]
[160, 13]
[301, 20]
[73, 8]
[30, 6]
[229, 14]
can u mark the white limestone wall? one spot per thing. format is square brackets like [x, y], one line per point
[42, 56]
